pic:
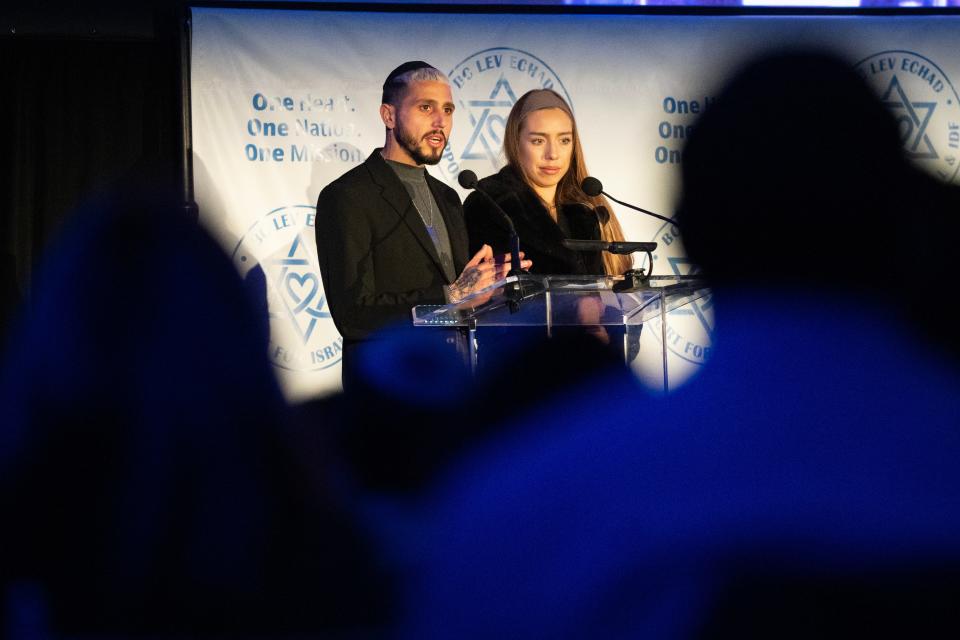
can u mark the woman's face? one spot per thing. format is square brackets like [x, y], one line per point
[546, 146]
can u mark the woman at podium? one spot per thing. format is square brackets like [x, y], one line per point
[539, 189]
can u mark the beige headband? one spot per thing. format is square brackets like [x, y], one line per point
[542, 99]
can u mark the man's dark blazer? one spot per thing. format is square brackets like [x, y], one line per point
[376, 258]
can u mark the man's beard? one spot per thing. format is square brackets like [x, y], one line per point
[412, 145]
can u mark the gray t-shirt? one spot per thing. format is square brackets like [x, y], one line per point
[414, 179]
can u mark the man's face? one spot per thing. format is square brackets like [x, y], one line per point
[423, 121]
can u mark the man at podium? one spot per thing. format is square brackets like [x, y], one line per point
[389, 235]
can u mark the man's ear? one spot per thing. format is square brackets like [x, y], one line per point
[388, 114]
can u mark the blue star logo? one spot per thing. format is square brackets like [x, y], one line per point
[913, 118]
[485, 116]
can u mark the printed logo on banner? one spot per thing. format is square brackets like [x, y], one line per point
[925, 104]
[486, 84]
[690, 327]
[278, 261]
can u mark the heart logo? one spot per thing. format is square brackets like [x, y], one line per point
[302, 288]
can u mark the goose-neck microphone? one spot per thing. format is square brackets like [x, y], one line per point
[593, 188]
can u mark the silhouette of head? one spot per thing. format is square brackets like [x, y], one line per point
[795, 174]
[145, 465]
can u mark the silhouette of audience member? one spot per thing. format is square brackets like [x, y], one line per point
[785, 189]
[782, 190]
[148, 478]
[413, 411]
[413, 414]
[802, 485]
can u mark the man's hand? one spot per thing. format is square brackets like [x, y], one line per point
[482, 271]
[479, 273]
[503, 263]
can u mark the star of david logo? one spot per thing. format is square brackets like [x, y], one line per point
[913, 128]
[298, 286]
[683, 267]
[485, 116]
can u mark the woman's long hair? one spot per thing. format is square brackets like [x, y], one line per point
[568, 189]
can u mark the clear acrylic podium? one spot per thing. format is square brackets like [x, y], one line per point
[551, 301]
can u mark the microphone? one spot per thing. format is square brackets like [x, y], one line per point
[468, 180]
[634, 278]
[593, 187]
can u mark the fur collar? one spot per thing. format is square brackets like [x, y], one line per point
[526, 210]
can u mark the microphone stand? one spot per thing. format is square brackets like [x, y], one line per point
[635, 208]
[633, 279]
[514, 292]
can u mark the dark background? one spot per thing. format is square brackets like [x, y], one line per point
[90, 99]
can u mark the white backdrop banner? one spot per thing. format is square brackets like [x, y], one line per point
[285, 101]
